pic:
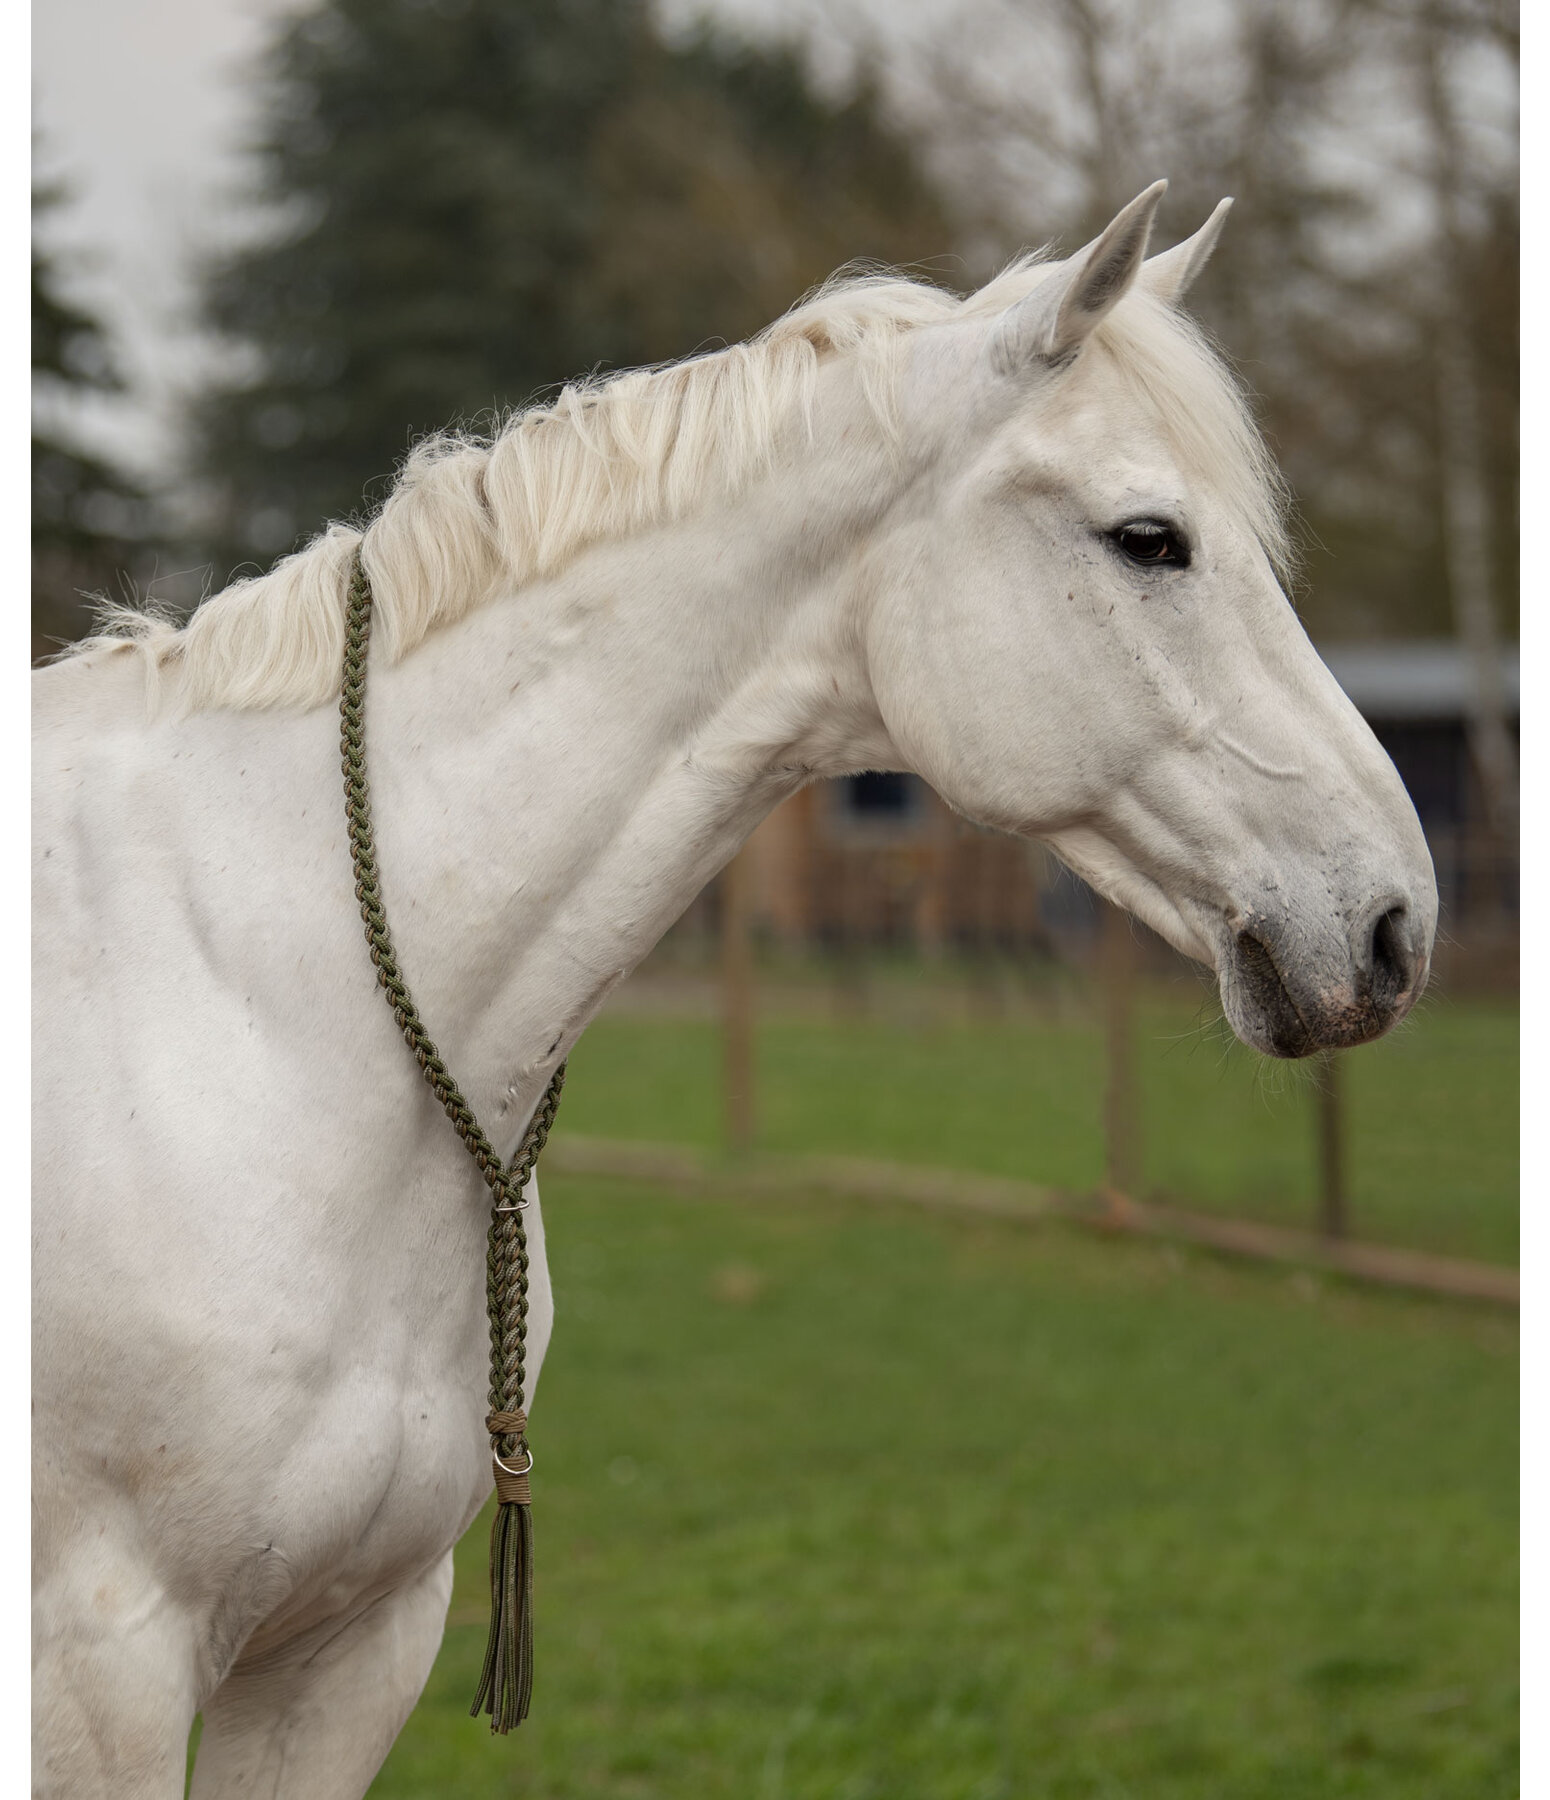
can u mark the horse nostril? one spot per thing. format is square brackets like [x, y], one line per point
[1390, 963]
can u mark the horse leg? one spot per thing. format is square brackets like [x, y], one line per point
[318, 1715]
[113, 1687]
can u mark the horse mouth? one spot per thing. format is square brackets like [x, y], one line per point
[1330, 1008]
[1265, 1015]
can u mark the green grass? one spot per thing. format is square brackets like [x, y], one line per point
[1431, 1111]
[847, 1503]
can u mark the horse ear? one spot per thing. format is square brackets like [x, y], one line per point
[1171, 273]
[1052, 323]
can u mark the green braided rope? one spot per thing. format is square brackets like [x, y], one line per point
[506, 1261]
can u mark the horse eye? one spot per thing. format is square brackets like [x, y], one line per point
[1150, 541]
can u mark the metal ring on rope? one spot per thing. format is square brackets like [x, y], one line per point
[507, 1466]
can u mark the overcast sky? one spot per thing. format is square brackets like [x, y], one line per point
[140, 108]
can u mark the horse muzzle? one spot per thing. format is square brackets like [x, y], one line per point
[1289, 989]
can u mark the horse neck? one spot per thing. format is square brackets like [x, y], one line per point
[558, 775]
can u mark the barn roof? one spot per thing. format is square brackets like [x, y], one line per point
[1419, 680]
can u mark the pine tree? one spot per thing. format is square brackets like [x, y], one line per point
[481, 198]
[86, 514]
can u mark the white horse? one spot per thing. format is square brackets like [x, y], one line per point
[1023, 545]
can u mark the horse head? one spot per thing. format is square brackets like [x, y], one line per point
[1079, 635]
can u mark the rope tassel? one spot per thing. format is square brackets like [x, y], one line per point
[506, 1684]
[506, 1681]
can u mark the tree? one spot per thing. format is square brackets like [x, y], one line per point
[1463, 470]
[1339, 267]
[87, 516]
[475, 199]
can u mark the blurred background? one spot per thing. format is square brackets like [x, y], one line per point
[1082, 1498]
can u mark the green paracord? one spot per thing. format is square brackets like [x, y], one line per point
[505, 1686]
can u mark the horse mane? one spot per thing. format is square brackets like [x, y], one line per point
[470, 516]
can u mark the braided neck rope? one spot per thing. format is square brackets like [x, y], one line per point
[506, 1263]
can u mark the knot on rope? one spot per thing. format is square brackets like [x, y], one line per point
[511, 1484]
[511, 1490]
[510, 1478]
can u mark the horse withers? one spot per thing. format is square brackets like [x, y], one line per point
[1024, 544]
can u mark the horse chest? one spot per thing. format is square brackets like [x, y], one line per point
[382, 1409]
[375, 1463]
[311, 1394]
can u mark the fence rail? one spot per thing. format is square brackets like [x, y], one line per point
[765, 1176]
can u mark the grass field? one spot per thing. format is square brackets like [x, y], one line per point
[1431, 1111]
[851, 1503]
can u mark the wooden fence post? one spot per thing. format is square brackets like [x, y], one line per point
[737, 1072]
[1329, 1110]
[1121, 1100]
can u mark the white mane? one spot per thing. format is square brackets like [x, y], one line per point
[469, 516]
